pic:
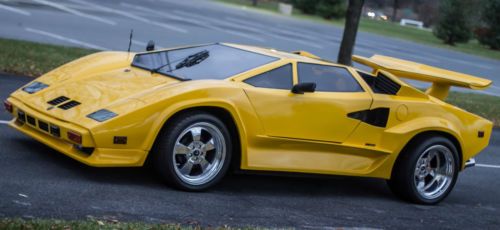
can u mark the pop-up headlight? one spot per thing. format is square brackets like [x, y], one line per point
[35, 87]
[102, 115]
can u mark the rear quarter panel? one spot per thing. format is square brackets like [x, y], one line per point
[411, 116]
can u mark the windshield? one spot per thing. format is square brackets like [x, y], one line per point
[213, 61]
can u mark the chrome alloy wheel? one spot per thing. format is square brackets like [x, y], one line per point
[434, 171]
[199, 153]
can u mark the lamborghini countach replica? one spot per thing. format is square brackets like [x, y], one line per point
[195, 112]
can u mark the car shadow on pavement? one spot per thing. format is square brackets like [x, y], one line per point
[245, 183]
[304, 185]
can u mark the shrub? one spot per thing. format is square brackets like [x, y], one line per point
[306, 6]
[452, 26]
[490, 34]
[331, 8]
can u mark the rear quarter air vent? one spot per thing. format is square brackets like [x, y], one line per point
[385, 85]
[69, 105]
[380, 84]
[376, 117]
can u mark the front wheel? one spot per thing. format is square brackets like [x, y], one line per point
[427, 171]
[194, 151]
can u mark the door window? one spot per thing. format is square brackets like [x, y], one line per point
[279, 78]
[328, 78]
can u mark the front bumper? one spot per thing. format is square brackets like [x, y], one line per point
[470, 163]
[99, 157]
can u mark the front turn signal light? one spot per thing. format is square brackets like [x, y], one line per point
[75, 137]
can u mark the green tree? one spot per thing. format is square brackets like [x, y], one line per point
[490, 16]
[306, 6]
[452, 25]
[331, 8]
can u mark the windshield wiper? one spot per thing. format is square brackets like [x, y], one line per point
[189, 61]
[193, 59]
[157, 69]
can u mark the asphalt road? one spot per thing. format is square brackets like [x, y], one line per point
[106, 25]
[38, 182]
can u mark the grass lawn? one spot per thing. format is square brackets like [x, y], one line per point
[483, 105]
[90, 224]
[34, 59]
[385, 28]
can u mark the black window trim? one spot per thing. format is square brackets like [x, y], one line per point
[363, 90]
[161, 73]
[289, 63]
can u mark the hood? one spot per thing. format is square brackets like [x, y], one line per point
[91, 83]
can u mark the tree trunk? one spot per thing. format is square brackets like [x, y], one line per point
[254, 2]
[395, 7]
[350, 30]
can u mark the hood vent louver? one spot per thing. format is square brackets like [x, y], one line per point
[69, 105]
[58, 100]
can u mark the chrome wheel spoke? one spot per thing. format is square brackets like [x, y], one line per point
[421, 185]
[438, 161]
[417, 171]
[181, 149]
[430, 184]
[434, 171]
[204, 164]
[186, 168]
[196, 167]
[196, 134]
[431, 156]
[209, 145]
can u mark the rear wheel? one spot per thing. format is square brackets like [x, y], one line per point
[427, 171]
[194, 151]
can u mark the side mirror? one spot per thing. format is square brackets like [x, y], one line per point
[305, 87]
[150, 46]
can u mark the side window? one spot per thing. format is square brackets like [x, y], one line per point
[328, 78]
[279, 78]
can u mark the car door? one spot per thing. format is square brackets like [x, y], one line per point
[318, 116]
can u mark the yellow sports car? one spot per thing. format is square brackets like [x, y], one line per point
[194, 111]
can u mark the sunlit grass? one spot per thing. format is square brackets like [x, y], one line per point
[34, 59]
[483, 105]
[108, 223]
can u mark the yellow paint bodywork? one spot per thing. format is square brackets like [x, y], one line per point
[278, 130]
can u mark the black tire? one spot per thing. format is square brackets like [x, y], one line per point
[402, 182]
[166, 163]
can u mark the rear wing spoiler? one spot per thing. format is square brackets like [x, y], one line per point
[441, 79]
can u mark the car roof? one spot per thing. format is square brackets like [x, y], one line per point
[279, 54]
[265, 51]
